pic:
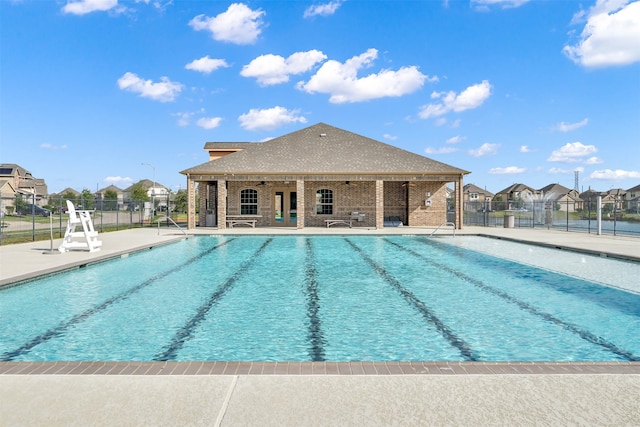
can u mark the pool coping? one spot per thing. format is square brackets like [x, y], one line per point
[319, 368]
[586, 251]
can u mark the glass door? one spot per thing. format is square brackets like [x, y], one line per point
[285, 208]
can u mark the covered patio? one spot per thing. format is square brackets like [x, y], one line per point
[316, 177]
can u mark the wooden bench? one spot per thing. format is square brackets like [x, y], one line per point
[249, 220]
[330, 222]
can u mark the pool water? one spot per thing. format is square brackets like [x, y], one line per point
[316, 298]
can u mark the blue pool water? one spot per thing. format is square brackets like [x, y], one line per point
[303, 298]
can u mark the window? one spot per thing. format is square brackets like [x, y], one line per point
[473, 196]
[249, 202]
[324, 202]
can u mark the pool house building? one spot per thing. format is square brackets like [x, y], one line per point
[319, 176]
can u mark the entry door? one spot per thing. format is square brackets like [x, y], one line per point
[285, 208]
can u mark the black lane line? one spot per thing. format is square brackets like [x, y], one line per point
[585, 335]
[457, 342]
[314, 333]
[61, 328]
[185, 333]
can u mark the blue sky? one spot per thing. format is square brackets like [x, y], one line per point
[511, 90]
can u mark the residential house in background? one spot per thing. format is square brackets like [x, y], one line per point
[7, 196]
[155, 191]
[632, 199]
[513, 197]
[107, 203]
[563, 199]
[31, 189]
[477, 199]
[58, 199]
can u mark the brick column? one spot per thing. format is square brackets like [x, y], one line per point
[300, 203]
[379, 204]
[222, 204]
[191, 203]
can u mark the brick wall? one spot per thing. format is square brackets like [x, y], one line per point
[356, 196]
[427, 216]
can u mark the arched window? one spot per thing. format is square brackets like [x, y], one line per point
[324, 202]
[249, 202]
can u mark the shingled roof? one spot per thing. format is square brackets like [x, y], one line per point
[321, 149]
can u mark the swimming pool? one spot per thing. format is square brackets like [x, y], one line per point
[314, 298]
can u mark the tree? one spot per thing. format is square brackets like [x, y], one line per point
[180, 201]
[87, 198]
[21, 204]
[110, 200]
[139, 192]
[69, 195]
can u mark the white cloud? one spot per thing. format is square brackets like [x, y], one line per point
[239, 24]
[274, 69]
[617, 174]
[83, 7]
[183, 118]
[566, 127]
[508, 170]
[611, 35]
[572, 152]
[456, 139]
[559, 171]
[342, 82]
[118, 180]
[206, 65]
[484, 4]
[484, 150]
[53, 147]
[472, 97]
[565, 171]
[390, 137]
[525, 149]
[163, 91]
[593, 161]
[270, 118]
[209, 122]
[322, 9]
[442, 150]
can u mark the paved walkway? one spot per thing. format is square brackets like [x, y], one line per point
[311, 394]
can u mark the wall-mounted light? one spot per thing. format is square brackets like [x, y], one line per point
[427, 199]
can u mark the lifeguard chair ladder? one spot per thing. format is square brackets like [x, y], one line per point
[88, 234]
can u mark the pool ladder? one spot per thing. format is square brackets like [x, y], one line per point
[445, 223]
[174, 223]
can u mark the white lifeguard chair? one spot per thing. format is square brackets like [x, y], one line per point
[88, 234]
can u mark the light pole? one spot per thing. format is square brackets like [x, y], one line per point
[153, 190]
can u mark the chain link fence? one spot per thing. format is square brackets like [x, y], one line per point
[617, 218]
[24, 219]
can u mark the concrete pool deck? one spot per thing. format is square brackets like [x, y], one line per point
[169, 393]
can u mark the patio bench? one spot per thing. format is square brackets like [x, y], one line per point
[249, 220]
[330, 222]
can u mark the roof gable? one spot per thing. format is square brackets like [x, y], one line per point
[556, 189]
[323, 149]
[472, 188]
[516, 188]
